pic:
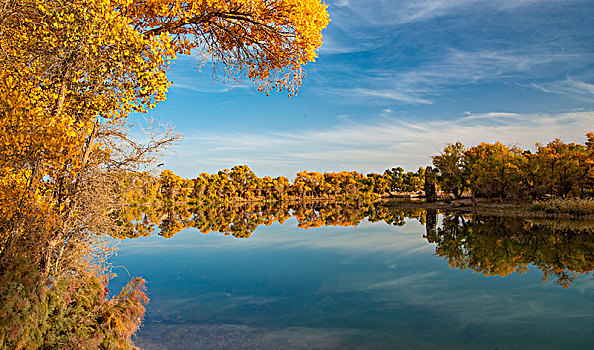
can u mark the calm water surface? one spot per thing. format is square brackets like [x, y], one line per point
[370, 286]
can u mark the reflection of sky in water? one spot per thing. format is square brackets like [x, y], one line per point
[372, 286]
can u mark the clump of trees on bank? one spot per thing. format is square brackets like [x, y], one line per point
[557, 169]
[488, 170]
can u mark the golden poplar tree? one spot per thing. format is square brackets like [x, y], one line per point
[71, 71]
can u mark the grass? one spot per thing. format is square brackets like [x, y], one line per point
[573, 206]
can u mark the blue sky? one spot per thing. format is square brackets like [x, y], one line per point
[394, 82]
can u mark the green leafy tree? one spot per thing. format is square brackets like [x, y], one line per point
[450, 164]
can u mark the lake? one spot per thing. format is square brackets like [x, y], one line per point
[415, 280]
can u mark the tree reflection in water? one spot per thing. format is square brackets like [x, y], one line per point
[492, 246]
[241, 221]
[498, 246]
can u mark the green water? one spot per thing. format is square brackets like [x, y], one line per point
[454, 283]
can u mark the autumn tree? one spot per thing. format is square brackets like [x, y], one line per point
[173, 188]
[70, 74]
[307, 182]
[376, 184]
[450, 164]
[492, 169]
[244, 180]
[394, 178]
[566, 168]
[281, 186]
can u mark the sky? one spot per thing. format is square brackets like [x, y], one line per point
[394, 82]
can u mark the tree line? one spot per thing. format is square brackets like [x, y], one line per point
[240, 183]
[490, 170]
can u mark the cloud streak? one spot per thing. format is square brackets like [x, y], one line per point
[391, 95]
[455, 68]
[568, 86]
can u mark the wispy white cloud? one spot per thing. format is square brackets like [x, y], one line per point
[198, 85]
[580, 86]
[188, 74]
[459, 67]
[422, 84]
[387, 113]
[568, 86]
[198, 88]
[390, 95]
[492, 115]
[544, 89]
[389, 12]
[385, 12]
[337, 42]
[342, 3]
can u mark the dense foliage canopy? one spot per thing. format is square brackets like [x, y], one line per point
[557, 169]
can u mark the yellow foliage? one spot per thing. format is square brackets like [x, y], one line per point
[72, 70]
[267, 41]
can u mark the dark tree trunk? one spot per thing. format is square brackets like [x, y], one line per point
[430, 192]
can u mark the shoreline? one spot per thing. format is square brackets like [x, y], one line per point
[464, 206]
[485, 207]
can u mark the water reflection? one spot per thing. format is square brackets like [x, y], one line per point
[490, 245]
[498, 246]
[241, 221]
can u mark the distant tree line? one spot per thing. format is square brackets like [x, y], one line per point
[489, 170]
[241, 184]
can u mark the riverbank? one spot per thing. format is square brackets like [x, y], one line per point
[555, 208]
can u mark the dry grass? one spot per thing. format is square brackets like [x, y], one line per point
[573, 206]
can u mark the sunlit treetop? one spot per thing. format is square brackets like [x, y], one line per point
[267, 41]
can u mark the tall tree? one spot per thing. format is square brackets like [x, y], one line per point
[567, 167]
[492, 168]
[71, 71]
[450, 164]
